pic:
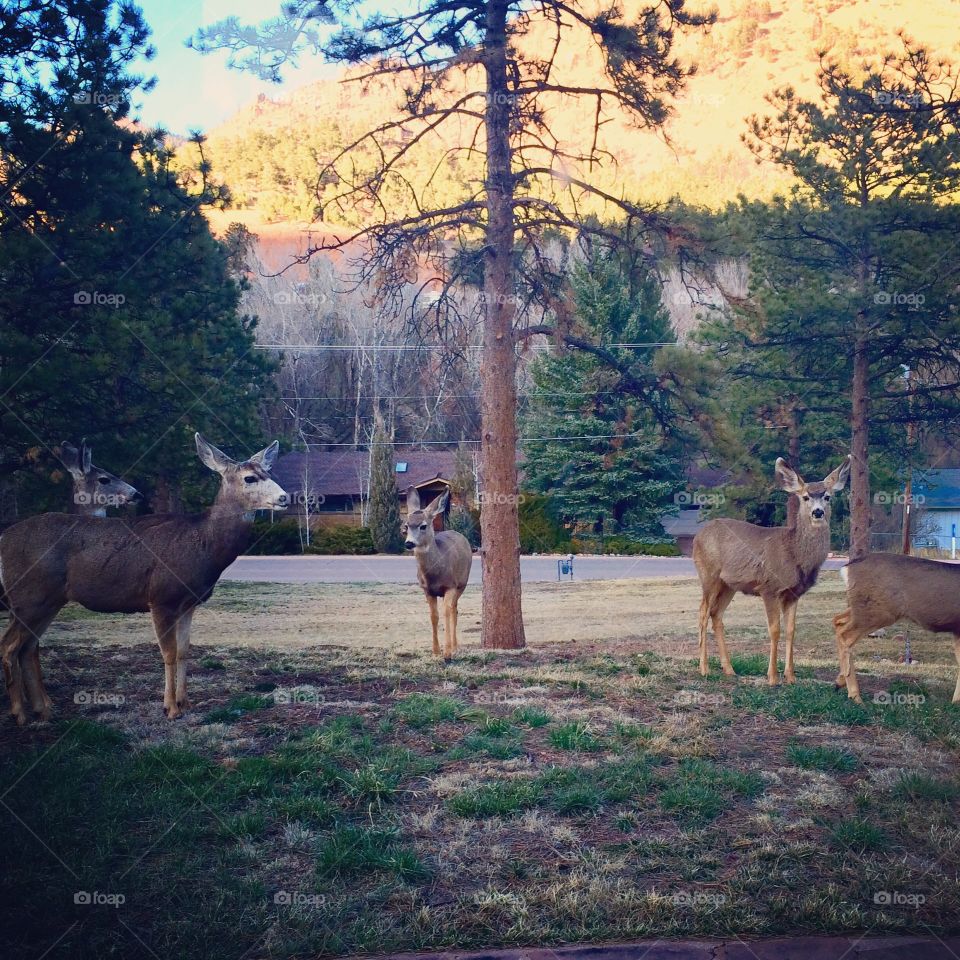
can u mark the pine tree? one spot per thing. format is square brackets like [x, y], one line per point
[384, 516]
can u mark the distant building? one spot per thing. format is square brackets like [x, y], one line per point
[334, 484]
[936, 494]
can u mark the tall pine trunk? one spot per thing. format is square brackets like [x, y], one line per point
[499, 521]
[860, 450]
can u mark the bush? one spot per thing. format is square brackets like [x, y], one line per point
[540, 530]
[341, 539]
[283, 538]
[625, 546]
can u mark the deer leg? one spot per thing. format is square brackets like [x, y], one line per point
[721, 602]
[704, 616]
[956, 653]
[183, 652]
[839, 622]
[847, 636]
[450, 623]
[790, 627]
[434, 620]
[20, 633]
[772, 606]
[165, 626]
[33, 679]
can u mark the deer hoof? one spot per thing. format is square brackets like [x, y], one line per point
[21, 719]
[729, 671]
[773, 681]
[789, 678]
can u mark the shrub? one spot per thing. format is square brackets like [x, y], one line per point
[540, 530]
[341, 539]
[282, 537]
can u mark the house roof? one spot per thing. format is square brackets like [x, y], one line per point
[940, 489]
[343, 473]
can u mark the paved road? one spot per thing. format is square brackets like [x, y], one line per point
[403, 569]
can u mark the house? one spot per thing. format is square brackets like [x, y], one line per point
[332, 485]
[936, 494]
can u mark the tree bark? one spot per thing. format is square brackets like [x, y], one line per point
[860, 450]
[499, 519]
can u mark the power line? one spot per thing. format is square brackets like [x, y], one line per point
[460, 396]
[396, 347]
[420, 443]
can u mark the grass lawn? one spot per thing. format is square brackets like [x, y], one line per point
[335, 790]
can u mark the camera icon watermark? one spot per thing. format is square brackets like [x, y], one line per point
[692, 498]
[897, 699]
[886, 498]
[897, 898]
[94, 298]
[695, 898]
[296, 898]
[98, 698]
[496, 499]
[887, 298]
[296, 696]
[696, 698]
[96, 898]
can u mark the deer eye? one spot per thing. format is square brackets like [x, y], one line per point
[103, 480]
[826, 496]
[423, 526]
[251, 479]
[805, 497]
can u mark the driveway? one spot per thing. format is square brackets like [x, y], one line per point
[381, 569]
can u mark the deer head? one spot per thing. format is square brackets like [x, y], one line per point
[814, 497]
[94, 489]
[418, 527]
[245, 484]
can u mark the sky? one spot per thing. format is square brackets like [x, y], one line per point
[195, 92]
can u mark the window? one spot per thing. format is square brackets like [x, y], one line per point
[402, 466]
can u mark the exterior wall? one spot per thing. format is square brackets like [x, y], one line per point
[937, 525]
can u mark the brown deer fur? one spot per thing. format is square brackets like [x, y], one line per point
[166, 564]
[444, 559]
[883, 588]
[778, 564]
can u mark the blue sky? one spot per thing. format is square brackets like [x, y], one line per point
[200, 92]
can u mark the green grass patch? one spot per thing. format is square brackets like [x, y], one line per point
[575, 737]
[349, 851]
[857, 834]
[821, 758]
[922, 786]
[531, 717]
[700, 790]
[421, 710]
[239, 707]
[500, 798]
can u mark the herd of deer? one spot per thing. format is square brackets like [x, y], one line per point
[168, 564]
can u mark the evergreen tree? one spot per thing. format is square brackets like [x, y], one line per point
[384, 516]
[118, 316]
[854, 277]
[627, 466]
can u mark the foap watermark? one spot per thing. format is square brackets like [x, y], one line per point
[886, 498]
[309, 298]
[97, 898]
[95, 98]
[897, 698]
[897, 898]
[502, 96]
[696, 898]
[296, 696]
[499, 298]
[96, 298]
[695, 498]
[497, 499]
[890, 97]
[82, 498]
[696, 698]
[297, 898]
[98, 698]
[896, 298]
[313, 501]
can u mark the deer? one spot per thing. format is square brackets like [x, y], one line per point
[444, 560]
[162, 564]
[883, 588]
[94, 489]
[778, 564]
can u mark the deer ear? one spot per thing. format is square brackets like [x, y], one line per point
[439, 504]
[413, 500]
[267, 457]
[787, 477]
[211, 457]
[838, 479]
[86, 456]
[70, 458]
